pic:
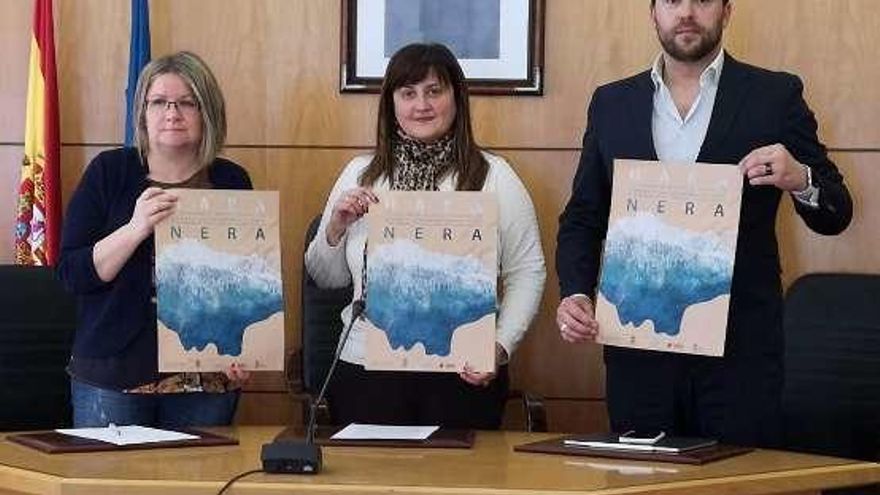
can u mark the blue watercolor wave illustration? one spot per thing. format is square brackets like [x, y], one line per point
[419, 296]
[654, 271]
[212, 297]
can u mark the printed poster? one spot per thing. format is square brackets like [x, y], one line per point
[669, 254]
[432, 266]
[218, 282]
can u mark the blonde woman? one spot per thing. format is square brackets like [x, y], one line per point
[107, 257]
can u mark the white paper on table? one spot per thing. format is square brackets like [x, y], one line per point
[358, 431]
[127, 435]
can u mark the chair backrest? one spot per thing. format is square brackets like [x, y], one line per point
[37, 321]
[321, 323]
[831, 399]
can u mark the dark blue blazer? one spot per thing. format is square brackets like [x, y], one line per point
[754, 107]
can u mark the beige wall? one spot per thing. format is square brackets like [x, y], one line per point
[277, 61]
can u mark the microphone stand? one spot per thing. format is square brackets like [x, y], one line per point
[357, 309]
[298, 457]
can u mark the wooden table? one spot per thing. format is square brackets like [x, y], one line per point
[490, 468]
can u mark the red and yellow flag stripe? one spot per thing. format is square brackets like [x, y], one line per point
[38, 224]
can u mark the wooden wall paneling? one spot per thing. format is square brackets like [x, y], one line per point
[92, 40]
[589, 43]
[74, 161]
[273, 55]
[268, 408]
[15, 28]
[304, 52]
[232, 42]
[563, 415]
[858, 248]
[280, 60]
[544, 363]
[577, 415]
[304, 177]
[832, 46]
[255, 161]
[586, 44]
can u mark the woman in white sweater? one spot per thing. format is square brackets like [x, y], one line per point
[425, 142]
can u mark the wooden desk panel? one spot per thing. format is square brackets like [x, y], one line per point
[491, 467]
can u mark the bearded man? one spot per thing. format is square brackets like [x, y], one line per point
[699, 104]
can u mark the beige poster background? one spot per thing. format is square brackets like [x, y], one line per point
[686, 198]
[442, 225]
[237, 233]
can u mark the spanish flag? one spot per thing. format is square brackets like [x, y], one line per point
[38, 224]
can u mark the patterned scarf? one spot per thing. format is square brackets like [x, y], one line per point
[420, 166]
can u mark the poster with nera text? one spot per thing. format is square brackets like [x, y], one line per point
[668, 258]
[431, 281]
[218, 282]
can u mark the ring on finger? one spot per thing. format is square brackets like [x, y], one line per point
[563, 328]
[768, 169]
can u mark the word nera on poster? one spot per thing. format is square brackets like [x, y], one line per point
[664, 206]
[420, 233]
[205, 232]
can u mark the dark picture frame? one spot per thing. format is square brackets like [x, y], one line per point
[504, 57]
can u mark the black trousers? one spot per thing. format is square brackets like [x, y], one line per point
[734, 399]
[415, 398]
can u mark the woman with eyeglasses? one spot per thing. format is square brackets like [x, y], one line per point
[425, 142]
[107, 255]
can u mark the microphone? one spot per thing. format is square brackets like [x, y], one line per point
[357, 309]
[298, 457]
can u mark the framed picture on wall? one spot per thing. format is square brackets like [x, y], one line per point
[499, 43]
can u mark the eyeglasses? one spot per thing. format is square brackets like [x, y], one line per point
[183, 105]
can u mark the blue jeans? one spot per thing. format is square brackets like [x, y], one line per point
[98, 407]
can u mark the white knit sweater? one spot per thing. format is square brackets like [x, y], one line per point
[521, 260]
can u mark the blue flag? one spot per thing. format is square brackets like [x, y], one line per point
[138, 56]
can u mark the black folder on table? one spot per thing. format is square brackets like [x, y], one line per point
[53, 442]
[442, 438]
[680, 450]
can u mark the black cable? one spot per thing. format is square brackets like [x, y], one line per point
[236, 478]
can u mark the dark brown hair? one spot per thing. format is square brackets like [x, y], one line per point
[410, 65]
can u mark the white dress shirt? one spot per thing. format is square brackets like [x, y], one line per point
[678, 139]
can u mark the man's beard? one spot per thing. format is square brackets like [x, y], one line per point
[709, 41]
